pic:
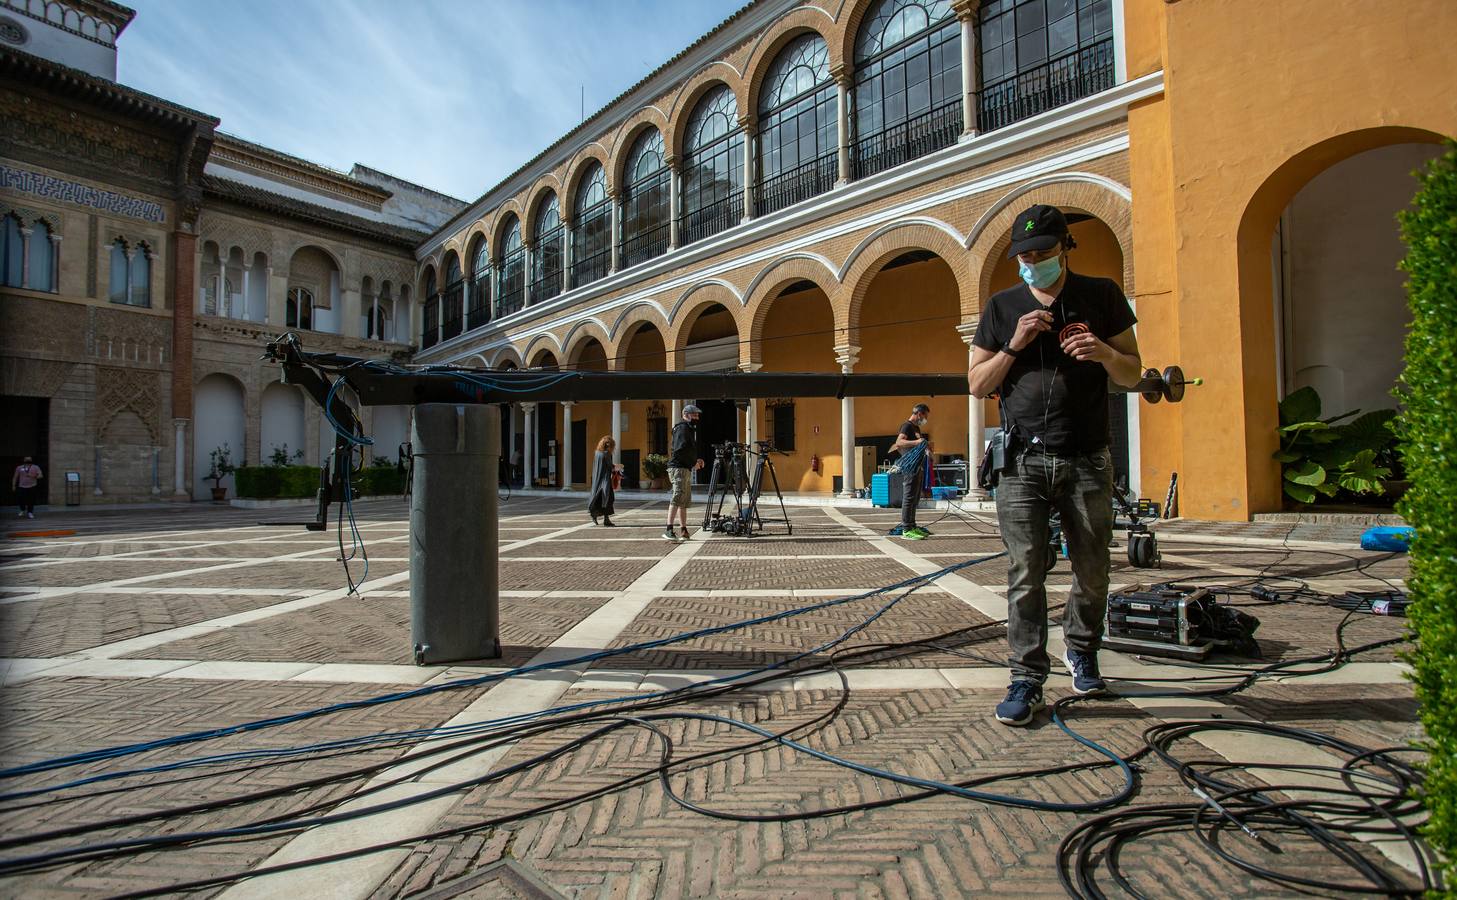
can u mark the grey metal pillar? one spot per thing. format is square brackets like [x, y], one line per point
[454, 595]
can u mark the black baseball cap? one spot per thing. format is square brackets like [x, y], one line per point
[1039, 227]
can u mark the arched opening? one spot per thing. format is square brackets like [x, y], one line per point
[281, 437]
[907, 83]
[546, 251]
[547, 470]
[234, 303]
[798, 144]
[452, 309]
[256, 292]
[591, 228]
[313, 291]
[512, 295]
[391, 428]
[713, 167]
[479, 311]
[218, 423]
[712, 345]
[896, 336]
[1097, 253]
[214, 286]
[1037, 56]
[645, 422]
[799, 336]
[430, 318]
[645, 200]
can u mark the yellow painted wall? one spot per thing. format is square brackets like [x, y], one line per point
[804, 313]
[1259, 98]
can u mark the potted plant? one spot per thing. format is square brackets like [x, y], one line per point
[222, 467]
[1323, 457]
[655, 467]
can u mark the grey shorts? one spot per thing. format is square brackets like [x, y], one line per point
[682, 482]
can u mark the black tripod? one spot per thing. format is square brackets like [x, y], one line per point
[729, 477]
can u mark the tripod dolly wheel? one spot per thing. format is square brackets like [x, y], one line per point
[1143, 550]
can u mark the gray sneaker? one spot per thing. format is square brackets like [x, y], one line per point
[670, 535]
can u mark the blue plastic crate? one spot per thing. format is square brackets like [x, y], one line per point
[944, 492]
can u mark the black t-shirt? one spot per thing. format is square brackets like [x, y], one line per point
[1048, 394]
[684, 452]
[911, 432]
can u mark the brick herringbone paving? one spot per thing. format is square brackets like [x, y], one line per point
[68, 624]
[724, 574]
[58, 716]
[920, 615]
[588, 575]
[638, 843]
[655, 547]
[794, 545]
[372, 630]
[1383, 715]
[76, 574]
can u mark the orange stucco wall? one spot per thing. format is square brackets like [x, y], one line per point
[1258, 98]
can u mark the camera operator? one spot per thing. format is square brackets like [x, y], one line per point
[1049, 347]
[683, 461]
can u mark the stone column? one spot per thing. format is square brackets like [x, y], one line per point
[351, 310]
[56, 263]
[567, 444]
[675, 203]
[677, 413]
[617, 431]
[976, 419]
[246, 311]
[179, 469]
[615, 213]
[966, 14]
[847, 356]
[750, 129]
[25, 234]
[569, 254]
[268, 295]
[220, 299]
[751, 414]
[529, 457]
[510, 447]
[842, 122]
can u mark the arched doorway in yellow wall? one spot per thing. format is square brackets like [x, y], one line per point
[646, 423]
[798, 336]
[708, 335]
[547, 428]
[1320, 299]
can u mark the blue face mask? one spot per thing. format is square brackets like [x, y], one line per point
[1041, 274]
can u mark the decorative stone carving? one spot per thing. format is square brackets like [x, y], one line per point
[33, 377]
[133, 390]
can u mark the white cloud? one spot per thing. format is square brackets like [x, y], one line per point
[452, 95]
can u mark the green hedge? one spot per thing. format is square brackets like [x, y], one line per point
[269, 482]
[1428, 428]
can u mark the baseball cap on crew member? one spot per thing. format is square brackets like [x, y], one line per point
[1039, 227]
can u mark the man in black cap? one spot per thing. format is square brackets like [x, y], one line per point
[1048, 347]
[683, 461]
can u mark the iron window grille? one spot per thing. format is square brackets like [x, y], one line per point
[430, 325]
[298, 309]
[783, 413]
[592, 236]
[907, 96]
[645, 202]
[1040, 55]
[798, 155]
[478, 311]
[512, 295]
[546, 253]
[713, 168]
[452, 312]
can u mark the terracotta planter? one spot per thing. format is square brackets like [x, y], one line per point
[219, 494]
[658, 484]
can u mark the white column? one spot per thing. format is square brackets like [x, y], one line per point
[847, 356]
[751, 413]
[842, 124]
[510, 447]
[56, 263]
[218, 291]
[967, 15]
[247, 313]
[567, 445]
[976, 419]
[179, 479]
[569, 254]
[749, 128]
[530, 460]
[267, 304]
[675, 205]
[25, 234]
[677, 413]
[617, 431]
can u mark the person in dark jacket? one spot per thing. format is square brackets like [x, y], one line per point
[683, 461]
[603, 497]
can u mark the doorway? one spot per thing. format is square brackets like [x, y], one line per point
[718, 423]
[26, 433]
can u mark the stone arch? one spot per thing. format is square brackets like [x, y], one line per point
[546, 184]
[498, 225]
[709, 77]
[687, 311]
[421, 284]
[764, 289]
[712, 286]
[578, 168]
[219, 418]
[634, 315]
[334, 254]
[636, 124]
[774, 38]
[504, 356]
[579, 333]
[477, 231]
[544, 358]
[1104, 199]
[544, 341]
[281, 420]
[885, 244]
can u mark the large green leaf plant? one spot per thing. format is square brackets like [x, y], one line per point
[1320, 457]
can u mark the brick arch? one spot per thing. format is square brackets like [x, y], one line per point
[577, 169]
[852, 16]
[884, 245]
[765, 287]
[533, 359]
[506, 354]
[498, 225]
[476, 230]
[544, 341]
[1098, 196]
[648, 116]
[709, 77]
[430, 265]
[546, 184]
[618, 353]
[578, 335]
[786, 28]
[686, 312]
[636, 314]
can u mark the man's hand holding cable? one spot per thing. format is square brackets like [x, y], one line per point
[1123, 367]
[1028, 327]
[988, 368]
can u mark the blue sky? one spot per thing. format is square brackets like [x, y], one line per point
[452, 94]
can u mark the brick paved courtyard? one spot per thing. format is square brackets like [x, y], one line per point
[145, 624]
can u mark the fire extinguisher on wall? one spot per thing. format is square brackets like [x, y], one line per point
[814, 464]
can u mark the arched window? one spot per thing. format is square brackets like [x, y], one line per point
[592, 234]
[119, 279]
[453, 299]
[139, 276]
[713, 167]
[1040, 54]
[298, 309]
[42, 258]
[546, 251]
[907, 83]
[480, 285]
[645, 200]
[798, 147]
[430, 318]
[380, 316]
[12, 252]
[512, 295]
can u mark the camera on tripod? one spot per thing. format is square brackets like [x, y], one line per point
[732, 476]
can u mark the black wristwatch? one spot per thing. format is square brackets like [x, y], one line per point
[1007, 349]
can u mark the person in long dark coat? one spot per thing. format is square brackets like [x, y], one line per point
[603, 496]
